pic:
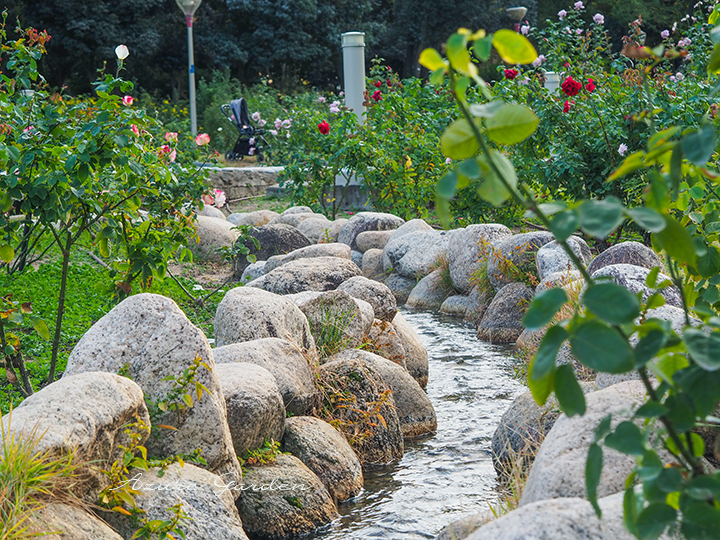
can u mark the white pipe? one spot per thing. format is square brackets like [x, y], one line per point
[353, 46]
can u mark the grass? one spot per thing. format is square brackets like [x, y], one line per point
[331, 334]
[28, 478]
[88, 299]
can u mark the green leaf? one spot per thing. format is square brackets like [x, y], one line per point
[486, 110]
[5, 202]
[713, 66]
[631, 164]
[651, 279]
[612, 303]
[470, 168]
[700, 521]
[513, 48]
[654, 519]
[647, 218]
[512, 124]
[676, 168]
[601, 347]
[677, 241]
[564, 224]
[543, 308]
[458, 140]
[709, 264]
[42, 329]
[627, 438]
[492, 189]
[458, 54]
[187, 398]
[593, 470]
[568, 391]
[600, 218]
[447, 185]
[713, 18]
[437, 76]
[650, 344]
[431, 60]
[704, 488]
[7, 253]
[699, 145]
[83, 172]
[542, 367]
[703, 348]
[482, 48]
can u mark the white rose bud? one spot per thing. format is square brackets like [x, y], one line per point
[122, 52]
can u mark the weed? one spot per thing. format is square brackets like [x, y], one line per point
[265, 455]
[29, 477]
[442, 263]
[331, 335]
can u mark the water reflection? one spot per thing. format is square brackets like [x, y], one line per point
[449, 474]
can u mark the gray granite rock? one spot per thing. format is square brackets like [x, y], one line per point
[367, 221]
[273, 240]
[378, 295]
[501, 322]
[633, 279]
[400, 287]
[551, 258]
[633, 253]
[466, 249]
[213, 234]
[308, 252]
[510, 255]
[316, 274]
[429, 293]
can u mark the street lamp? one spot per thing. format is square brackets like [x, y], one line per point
[189, 7]
[516, 14]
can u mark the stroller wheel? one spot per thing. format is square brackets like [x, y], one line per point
[229, 156]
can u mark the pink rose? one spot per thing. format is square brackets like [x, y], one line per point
[128, 100]
[171, 136]
[202, 139]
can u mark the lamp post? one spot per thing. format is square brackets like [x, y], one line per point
[189, 7]
[516, 14]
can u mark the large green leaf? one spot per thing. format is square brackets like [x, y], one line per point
[593, 470]
[709, 264]
[630, 164]
[627, 438]
[458, 54]
[677, 241]
[602, 348]
[654, 519]
[492, 189]
[647, 218]
[703, 348]
[7, 253]
[431, 60]
[699, 145]
[486, 110]
[600, 218]
[700, 521]
[543, 308]
[513, 48]
[612, 303]
[648, 347]
[512, 124]
[458, 140]
[447, 185]
[564, 224]
[542, 367]
[568, 391]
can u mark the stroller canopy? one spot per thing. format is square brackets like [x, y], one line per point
[240, 114]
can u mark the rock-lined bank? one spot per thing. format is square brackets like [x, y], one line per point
[287, 343]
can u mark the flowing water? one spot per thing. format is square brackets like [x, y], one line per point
[449, 474]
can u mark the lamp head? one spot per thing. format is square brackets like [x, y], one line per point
[515, 13]
[188, 7]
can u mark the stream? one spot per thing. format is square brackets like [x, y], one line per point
[449, 474]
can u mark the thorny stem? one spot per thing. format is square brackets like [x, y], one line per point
[679, 284]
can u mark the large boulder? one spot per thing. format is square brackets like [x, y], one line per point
[559, 468]
[283, 500]
[258, 218]
[633, 279]
[253, 271]
[501, 322]
[66, 522]
[86, 413]
[316, 250]
[286, 363]
[416, 356]
[414, 225]
[335, 320]
[430, 292]
[416, 254]
[559, 519]
[400, 286]
[331, 232]
[373, 240]
[314, 227]
[255, 407]
[465, 526]
[415, 411]
[367, 221]
[150, 337]
[212, 211]
[276, 239]
[378, 295]
[570, 280]
[295, 219]
[316, 274]
[297, 210]
[372, 264]
[207, 499]
[326, 453]
[633, 253]
[479, 300]
[355, 398]
[456, 305]
[213, 234]
[467, 247]
[551, 258]
[383, 340]
[247, 313]
[357, 257]
[512, 258]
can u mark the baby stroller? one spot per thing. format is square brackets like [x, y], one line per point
[249, 140]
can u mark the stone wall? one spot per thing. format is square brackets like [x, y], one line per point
[239, 182]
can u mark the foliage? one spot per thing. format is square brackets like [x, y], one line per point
[180, 396]
[612, 330]
[331, 333]
[28, 477]
[265, 455]
[92, 172]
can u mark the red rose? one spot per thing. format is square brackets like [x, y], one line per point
[377, 95]
[571, 87]
[511, 74]
[389, 82]
[566, 107]
[324, 127]
[590, 86]
[377, 84]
